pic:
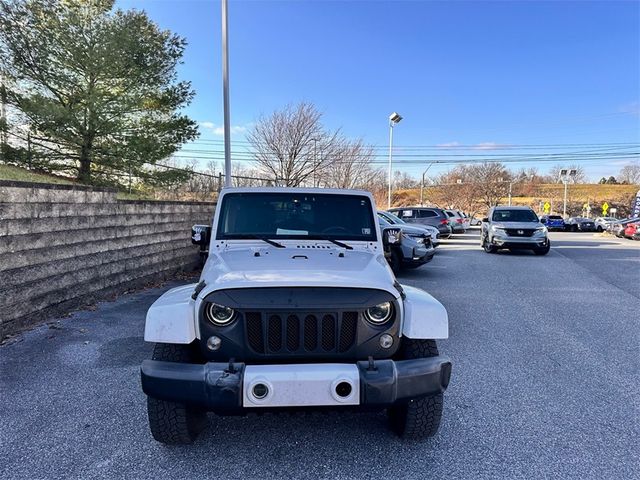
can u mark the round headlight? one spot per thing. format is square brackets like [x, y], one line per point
[219, 314]
[380, 313]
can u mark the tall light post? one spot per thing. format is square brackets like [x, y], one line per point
[394, 119]
[225, 95]
[565, 175]
[422, 184]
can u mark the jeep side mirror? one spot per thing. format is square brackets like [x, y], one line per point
[485, 219]
[391, 236]
[200, 234]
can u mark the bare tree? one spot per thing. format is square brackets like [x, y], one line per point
[630, 174]
[291, 145]
[493, 182]
[350, 165]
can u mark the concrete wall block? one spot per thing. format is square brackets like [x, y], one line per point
[20, 294]
[25, 226]
[16, 243]
[42, 300]
[13, 211]
[51, 310]
[32, 194]
[38, 256]
[31, 273]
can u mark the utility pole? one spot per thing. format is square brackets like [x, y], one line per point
[225, 95]
[510, 184]
[4, 123]
[422, 184]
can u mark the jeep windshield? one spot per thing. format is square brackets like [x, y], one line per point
[311, 216]
[514, 216]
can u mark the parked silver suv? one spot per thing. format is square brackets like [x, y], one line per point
[514, 228]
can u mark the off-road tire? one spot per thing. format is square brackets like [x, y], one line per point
[395, 261]
[418, 418]
[170, 422]
[543, 250]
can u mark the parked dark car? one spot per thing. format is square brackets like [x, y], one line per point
[579, 224]
[415, 248]
[552, 222]
[426, 216]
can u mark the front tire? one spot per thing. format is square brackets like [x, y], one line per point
[170, 422]
[420, 417]
[487, 246]
[543, 250]
[395, 261]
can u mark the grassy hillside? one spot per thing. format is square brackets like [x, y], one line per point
[10, 172]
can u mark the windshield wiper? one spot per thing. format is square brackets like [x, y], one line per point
[258, 237]
[328, 239]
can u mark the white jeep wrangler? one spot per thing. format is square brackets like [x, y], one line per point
[296, 308]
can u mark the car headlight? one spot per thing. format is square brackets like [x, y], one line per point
[380, 313]
[219, 314]
[541, 230]
[497, 229]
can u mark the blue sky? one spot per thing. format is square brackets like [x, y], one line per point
[483, 74]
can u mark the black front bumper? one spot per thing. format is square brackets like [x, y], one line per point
[218, 386]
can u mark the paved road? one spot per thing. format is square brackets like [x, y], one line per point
[545, 385]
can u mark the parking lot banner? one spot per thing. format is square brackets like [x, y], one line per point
[636, 205]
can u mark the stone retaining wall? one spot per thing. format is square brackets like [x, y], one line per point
[64, 246]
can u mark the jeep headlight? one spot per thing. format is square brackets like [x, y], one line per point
[219, 314]
[380, 313]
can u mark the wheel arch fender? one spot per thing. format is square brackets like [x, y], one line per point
[424, 316]
[171, 318]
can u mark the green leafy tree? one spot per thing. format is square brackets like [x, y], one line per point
[97, 86]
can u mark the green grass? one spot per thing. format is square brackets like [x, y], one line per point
[10, 172]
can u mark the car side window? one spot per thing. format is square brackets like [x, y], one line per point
[407, 214]
[427, 213]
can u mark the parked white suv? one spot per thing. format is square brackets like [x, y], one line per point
[514, 228]
[296, 308]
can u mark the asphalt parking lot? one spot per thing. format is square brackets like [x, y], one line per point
[546, 384]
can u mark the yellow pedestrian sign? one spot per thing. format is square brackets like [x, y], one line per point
[547, 207]
[605, 207]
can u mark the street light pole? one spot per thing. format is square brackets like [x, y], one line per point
[394, 119]
[510, 184]
[225, 95]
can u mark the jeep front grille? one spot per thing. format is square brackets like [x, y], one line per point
[299, 333]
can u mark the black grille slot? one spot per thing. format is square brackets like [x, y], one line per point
[293, 333]
[254, 331]
[274, 333]
[310, 333]
[520, 232]
[348, 329]
[289, 333]
[328, 332]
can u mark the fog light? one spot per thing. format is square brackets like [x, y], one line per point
[386, 340]
[214, 343]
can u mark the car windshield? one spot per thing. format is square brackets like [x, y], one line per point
[514, 216]
[394, 219]
[295, 216]
[555, 217]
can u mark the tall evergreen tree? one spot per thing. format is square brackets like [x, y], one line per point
[97, 86]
